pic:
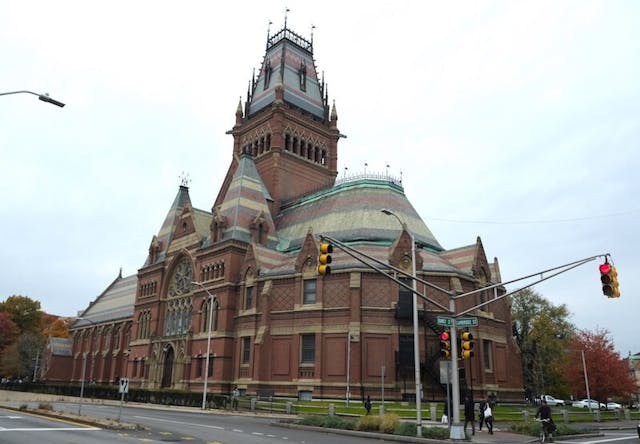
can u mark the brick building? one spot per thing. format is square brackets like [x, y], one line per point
[245, 273]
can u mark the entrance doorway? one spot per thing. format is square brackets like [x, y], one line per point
[168, 367]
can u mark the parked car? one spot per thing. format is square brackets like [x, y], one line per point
[613, 406]
[551, 400]
[586, 403]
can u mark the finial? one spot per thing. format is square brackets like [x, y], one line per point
[312, 28]
[285, 17]
[365, 168]
[387, 169]
[269, 30]
[184, 179]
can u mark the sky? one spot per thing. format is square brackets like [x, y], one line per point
[518, 122]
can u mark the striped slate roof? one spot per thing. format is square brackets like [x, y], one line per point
[288, 59]
[247, 199]
[116, 302]
[351, 211]
[165, 235]
[462, 257]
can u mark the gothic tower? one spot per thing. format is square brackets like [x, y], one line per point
[287, 125]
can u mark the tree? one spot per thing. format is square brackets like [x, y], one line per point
[542, 331]
[607, 372]
[24, 311]
[57, 329]
[19, 358]
[8, 330]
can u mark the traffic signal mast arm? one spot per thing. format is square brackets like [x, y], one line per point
[563, 269]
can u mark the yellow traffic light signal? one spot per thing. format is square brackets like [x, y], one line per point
[466, 346]
[609, 279]
[445, 345]
[324, 259]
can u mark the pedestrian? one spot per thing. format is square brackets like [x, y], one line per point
[488, 417]
[483, 405]
[234, 398]
[548, 427]
[469, 415]
[367, 405]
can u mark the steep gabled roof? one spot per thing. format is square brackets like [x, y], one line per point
[116, 302]
[246, 203]
[167, 229]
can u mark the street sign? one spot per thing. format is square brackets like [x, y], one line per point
[124, 385]
[444, 322]
[467, 322]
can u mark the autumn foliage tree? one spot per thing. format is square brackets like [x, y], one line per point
[608, 374]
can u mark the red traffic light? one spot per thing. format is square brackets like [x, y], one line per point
[605, 268]
[444, 336]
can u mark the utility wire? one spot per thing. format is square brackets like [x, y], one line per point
[524, 222]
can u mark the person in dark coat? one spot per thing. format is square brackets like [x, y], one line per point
[469, 415]
[483, 405]
[367, 405]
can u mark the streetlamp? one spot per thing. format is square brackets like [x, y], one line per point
[416, 338]
[84, 368]
[43, 97]
[206, 370]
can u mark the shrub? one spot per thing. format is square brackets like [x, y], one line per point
[45, 406]
[333, 422]
[405, 429]
[388, 423]
[369, 423]
[435, 432]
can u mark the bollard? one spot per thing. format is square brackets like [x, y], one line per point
[597, 415]
[565, 416]
[526, 415]
[289, 407]
[381, 409]
[332, 410]
[627, 414]
[254, 402]
[432, 411]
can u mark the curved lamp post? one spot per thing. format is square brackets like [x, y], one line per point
[43, 97]
[416, 337]
[206, 370]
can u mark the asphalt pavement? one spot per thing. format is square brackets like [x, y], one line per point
[502, 431]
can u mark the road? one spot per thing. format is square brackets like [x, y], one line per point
[163, 426]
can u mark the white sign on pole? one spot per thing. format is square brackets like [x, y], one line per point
[124, 385]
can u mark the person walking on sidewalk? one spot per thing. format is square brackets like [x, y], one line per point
[488, 417]
[469, 415]
[483, 404]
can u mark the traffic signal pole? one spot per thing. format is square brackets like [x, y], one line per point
[457, 428]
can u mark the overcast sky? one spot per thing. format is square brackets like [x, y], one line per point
[518, 122]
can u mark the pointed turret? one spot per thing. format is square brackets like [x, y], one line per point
[245, 207]
[239, 114]
[289, 65]
[164, 236]
[334, 115]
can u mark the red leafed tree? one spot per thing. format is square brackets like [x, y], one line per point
[8, 330]
[608, 374]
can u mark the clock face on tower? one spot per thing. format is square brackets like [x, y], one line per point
[181, 280]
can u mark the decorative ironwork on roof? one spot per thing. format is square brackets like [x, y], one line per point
[292, 37]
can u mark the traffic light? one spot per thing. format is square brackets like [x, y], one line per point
[609, 279]
[445, 345]
[325, 258]
[466, 346]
